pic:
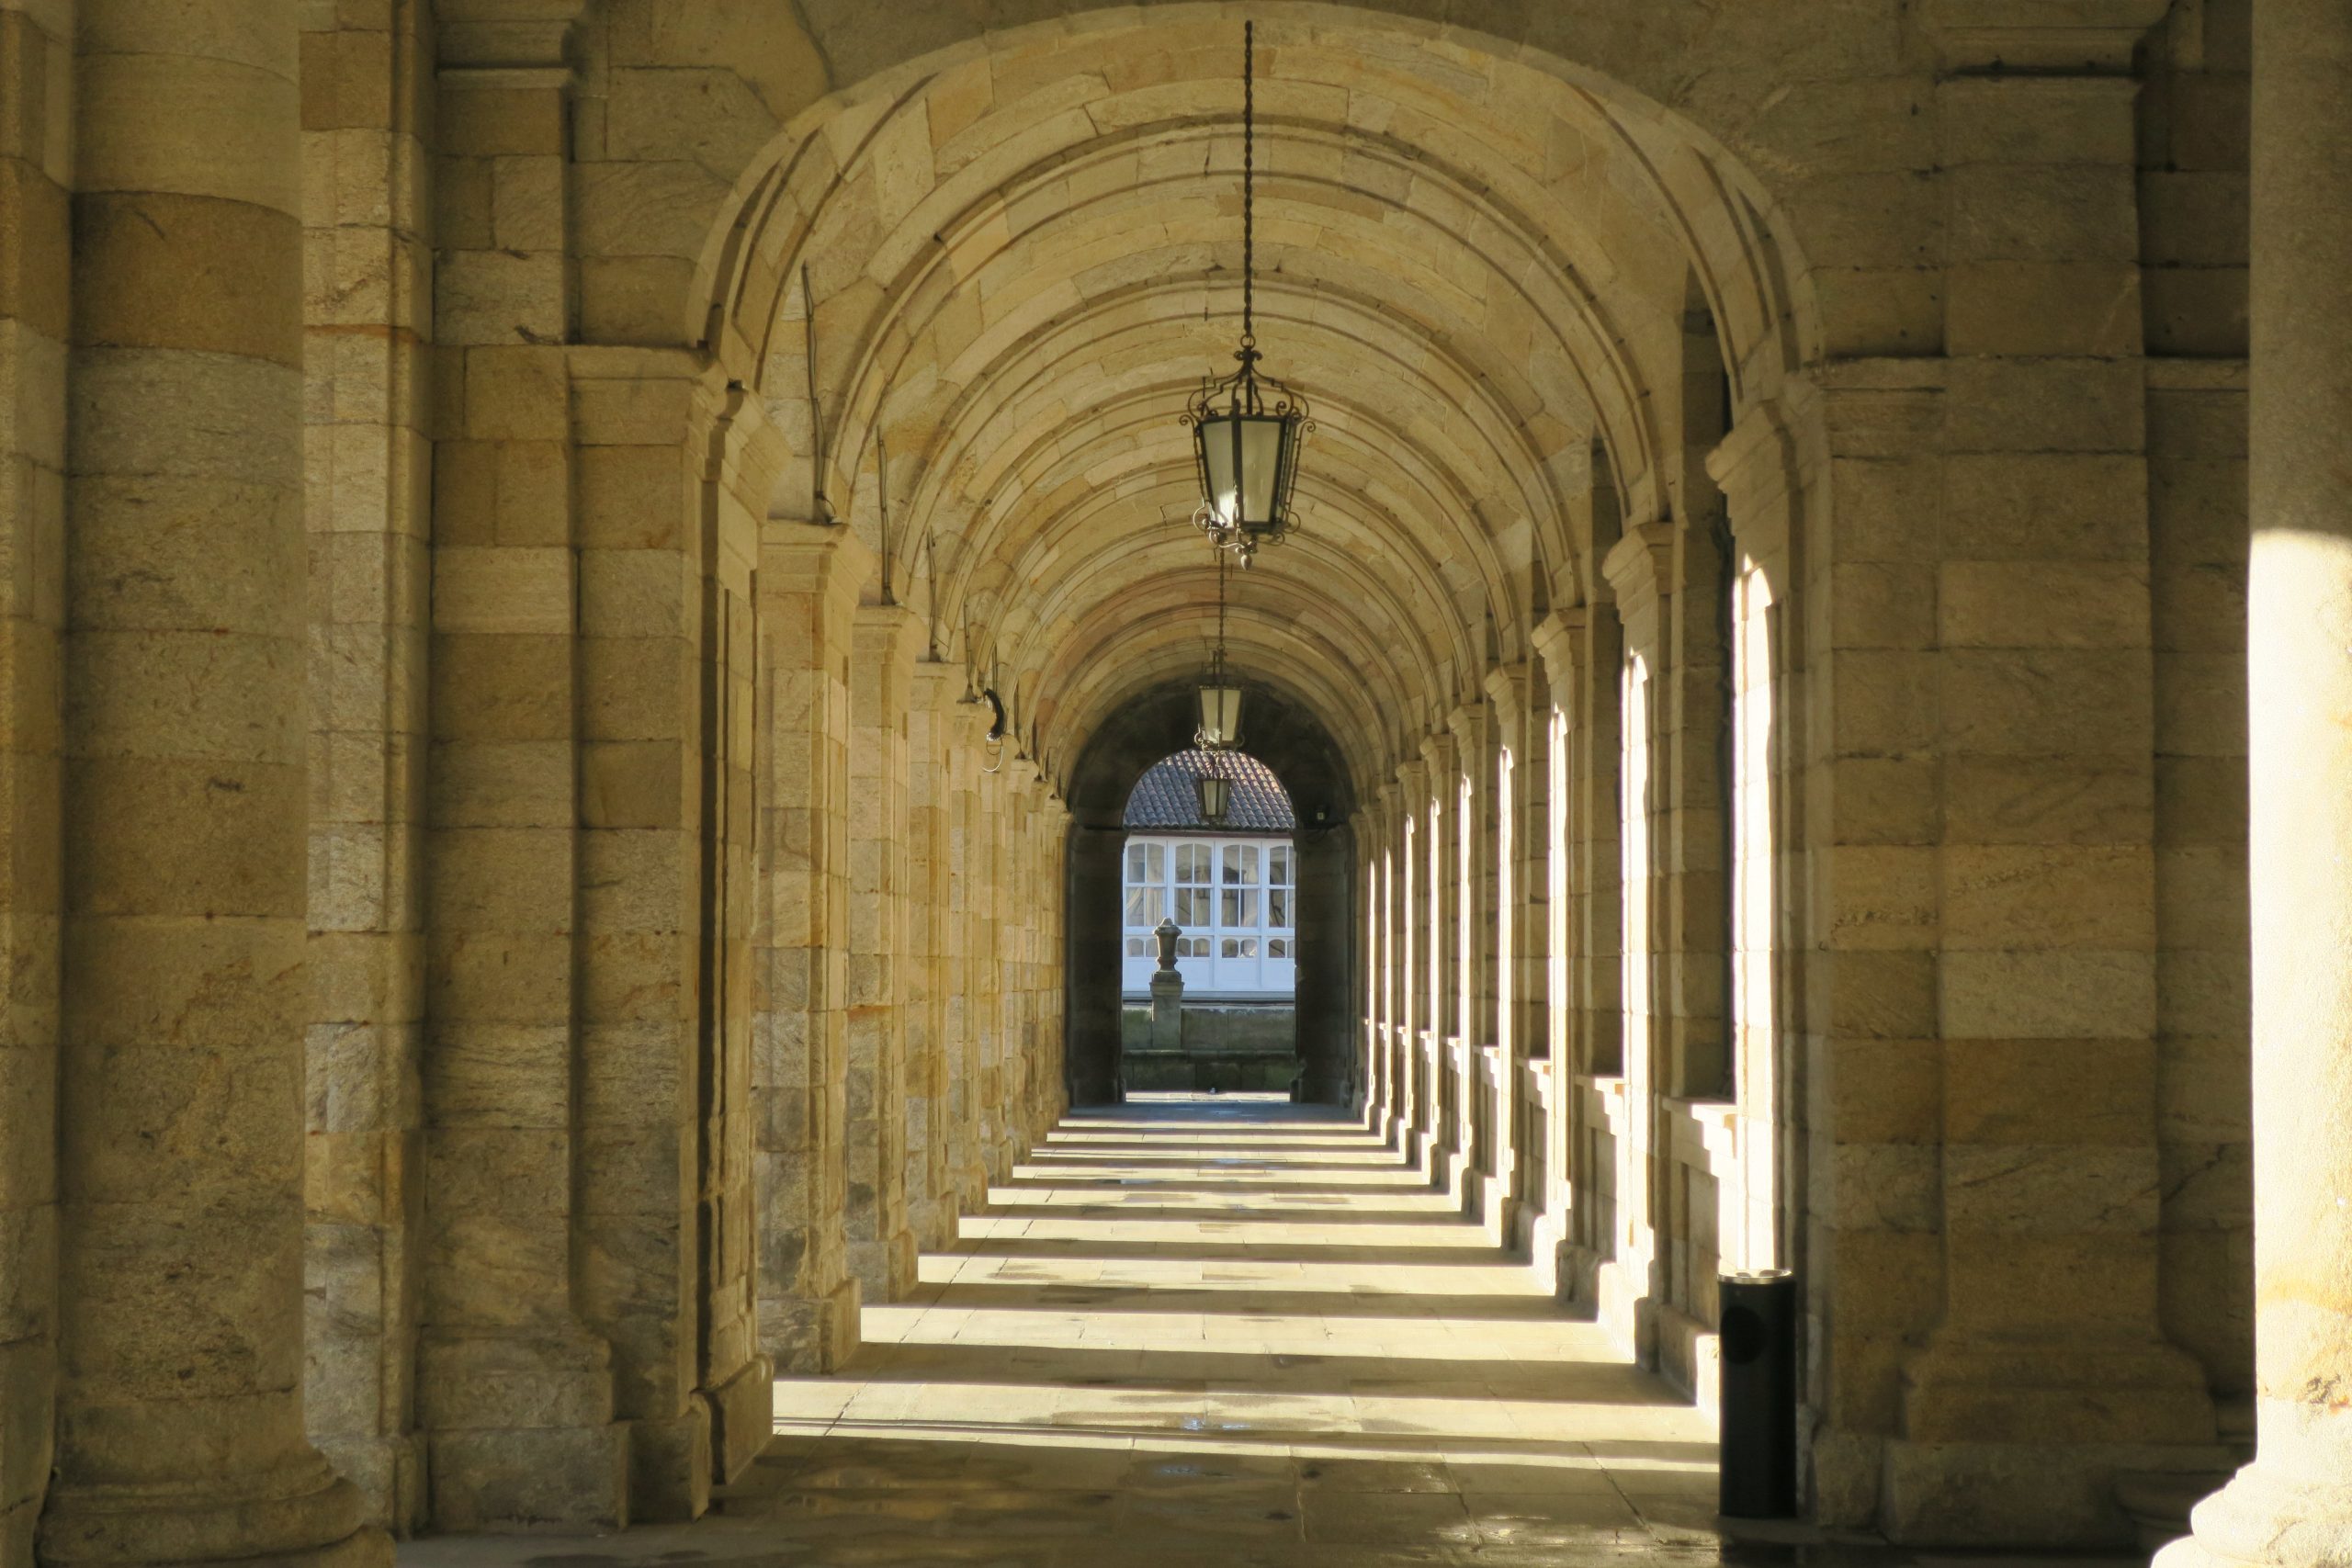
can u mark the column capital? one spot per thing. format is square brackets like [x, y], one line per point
[937, 686]
[2089, 37]
[819, 557]
[889, 633]
[1412, 778]
[1641, 560]
[1437, 753]
[1467, 724]
[1559, 642]
[1507, 689]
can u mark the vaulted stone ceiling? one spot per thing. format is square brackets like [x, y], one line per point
[1024, 259]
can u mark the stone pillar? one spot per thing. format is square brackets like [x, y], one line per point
[1473, 929]
[1441, 808]
[967, 1009]
[2292, 1507]
[1556, 638]
[1412, 950]
[370, 521]
[1049, 905]
[931, 1142]
[1518, 903]
[36, 169]
[1638, 569]
[2049, 1374]
[1372, 831]
[1015, 800]
[179, 1434]
[515, 1392]
[806, 602]
[1388, 977]
[881, 1244]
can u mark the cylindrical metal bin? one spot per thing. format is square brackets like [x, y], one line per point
[1758, 1329]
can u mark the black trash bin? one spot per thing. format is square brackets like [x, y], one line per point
[1759, 1395]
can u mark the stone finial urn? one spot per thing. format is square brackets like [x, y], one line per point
[1167, 931]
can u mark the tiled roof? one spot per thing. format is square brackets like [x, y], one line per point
[1164, 796]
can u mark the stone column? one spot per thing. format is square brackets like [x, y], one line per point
[370, 521]
[36, 169]
[967, 1009]
[806, 601]
[1412, 948]
[1372, 839]
[1519, 913]
[2292, 1507]
[2049, 1374]
[1014, 803]
[881, 1244]
[931, 719]
[1440, 807]
[1472, 930]
[1388, 977]
[1554, 640]
[179, 1432]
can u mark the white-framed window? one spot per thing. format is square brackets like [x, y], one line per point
[1234, 898]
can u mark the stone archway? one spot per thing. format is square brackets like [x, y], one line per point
[1289, 738]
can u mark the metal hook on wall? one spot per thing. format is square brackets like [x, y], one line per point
[996, 727]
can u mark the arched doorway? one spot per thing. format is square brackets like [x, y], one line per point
[1221, 1013]
[1292, 747]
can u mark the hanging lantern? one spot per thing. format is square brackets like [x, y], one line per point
[1247, 428]
[1220, 717]
[1216, 794]
[1220, 724]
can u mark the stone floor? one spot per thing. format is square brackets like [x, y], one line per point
[1217, 1331]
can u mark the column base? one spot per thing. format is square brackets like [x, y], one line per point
[1967, 1390]
[743, 1414]
[884, 1269]
[2020, 1443]
[2262, 1519]
[670, 1464]
[388, 1471]
[519, 1430]
[302, 1516]
[806, 1335]
[2019, 1493]
[520, 1477]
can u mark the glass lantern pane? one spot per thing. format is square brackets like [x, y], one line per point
[1220, 713]
[1262, 447]
[1217, 449]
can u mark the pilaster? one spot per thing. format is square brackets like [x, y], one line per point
[806, 591]
[2049, 1374]
[881, 1241]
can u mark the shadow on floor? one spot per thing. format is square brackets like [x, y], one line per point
[1148, 1352]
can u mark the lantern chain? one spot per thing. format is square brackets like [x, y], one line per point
[1248, 180]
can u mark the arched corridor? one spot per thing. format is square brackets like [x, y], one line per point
[587, 584]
